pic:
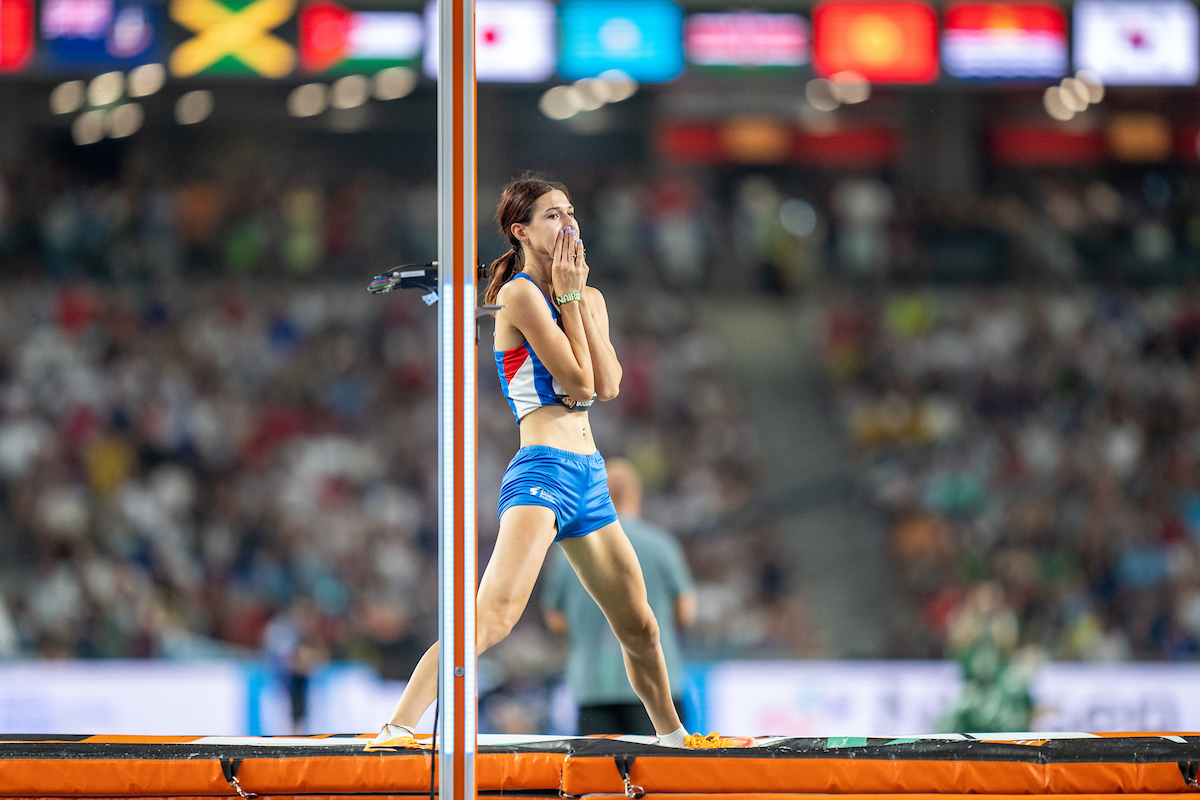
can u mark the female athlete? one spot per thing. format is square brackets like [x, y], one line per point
[555, 359]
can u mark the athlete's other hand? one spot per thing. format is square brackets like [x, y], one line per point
[569, 270]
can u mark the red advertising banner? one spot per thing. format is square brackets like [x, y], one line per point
[1045, 145]
[715, 143]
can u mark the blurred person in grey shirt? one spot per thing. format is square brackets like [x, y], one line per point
[595, 665]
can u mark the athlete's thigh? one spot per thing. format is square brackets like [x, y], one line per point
[526, 533]
[608, 568]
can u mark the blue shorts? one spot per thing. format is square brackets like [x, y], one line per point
[573, 486]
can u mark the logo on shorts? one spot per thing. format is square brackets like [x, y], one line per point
[538, 491]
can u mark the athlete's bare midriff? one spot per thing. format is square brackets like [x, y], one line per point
[556, 426]
[552, 425]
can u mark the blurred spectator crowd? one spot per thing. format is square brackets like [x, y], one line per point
[213, 440]
[1048, 441]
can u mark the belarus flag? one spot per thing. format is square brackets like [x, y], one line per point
[1005, 40]
[335, 38]
[16, 34]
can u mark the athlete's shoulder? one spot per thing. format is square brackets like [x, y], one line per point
[591, 293]
[520, 288]
[521, 295]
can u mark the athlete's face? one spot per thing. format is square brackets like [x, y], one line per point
[551, 213]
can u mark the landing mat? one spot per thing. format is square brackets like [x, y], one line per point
[998, 765]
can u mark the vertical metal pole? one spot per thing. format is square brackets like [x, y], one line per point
[456, 400]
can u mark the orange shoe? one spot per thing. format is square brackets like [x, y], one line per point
[717, 740]
[393, 737]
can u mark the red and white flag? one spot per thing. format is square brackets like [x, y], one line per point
[16, 34]
[514, 40]
[1138, 42]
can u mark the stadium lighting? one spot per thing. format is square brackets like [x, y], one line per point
[125, 120]
[308, 100]
[616, 84]
[821, 95]
[89, 127]
[1074, 94]
[394, 82]
[560, 102]
[350, 92]
[1055, 106]
[194, 107]
[146, 80]
[105, 89]
[67, 98]
[587, 96]
[850, 87]
[1094, 85]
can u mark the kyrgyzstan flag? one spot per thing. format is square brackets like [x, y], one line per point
[16, 34]
[334, 38]
[1005, 40]
[885, 42]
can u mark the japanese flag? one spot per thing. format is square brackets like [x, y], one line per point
[514, 40]
[1138, 43]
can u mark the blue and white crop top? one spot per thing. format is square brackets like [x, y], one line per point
[526, 382]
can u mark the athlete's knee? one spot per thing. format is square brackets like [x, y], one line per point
[639, 632]
[493, 625]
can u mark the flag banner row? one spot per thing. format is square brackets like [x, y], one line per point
[1120, 42]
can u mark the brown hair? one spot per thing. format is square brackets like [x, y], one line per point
[516, 205]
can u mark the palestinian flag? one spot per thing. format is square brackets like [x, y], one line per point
[335, 39]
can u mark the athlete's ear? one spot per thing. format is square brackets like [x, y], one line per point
[518, 231]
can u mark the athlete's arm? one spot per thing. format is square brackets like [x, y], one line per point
[564, 352]
[605, 366]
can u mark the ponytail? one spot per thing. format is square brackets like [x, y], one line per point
[502, 271]
[516, 205]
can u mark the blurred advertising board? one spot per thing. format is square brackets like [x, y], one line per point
[335, 39]
[1138, 42]
[828, 698]
[746, 39]
[793, 698]
[642, 38]
[167, 698]
[1117, 697]
[1004, 40]
[885, 42]
[123, 697]
[100, 33]
[16, 34]
[232, 37]
[891, 698]
[514, 40]
[758, 140]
